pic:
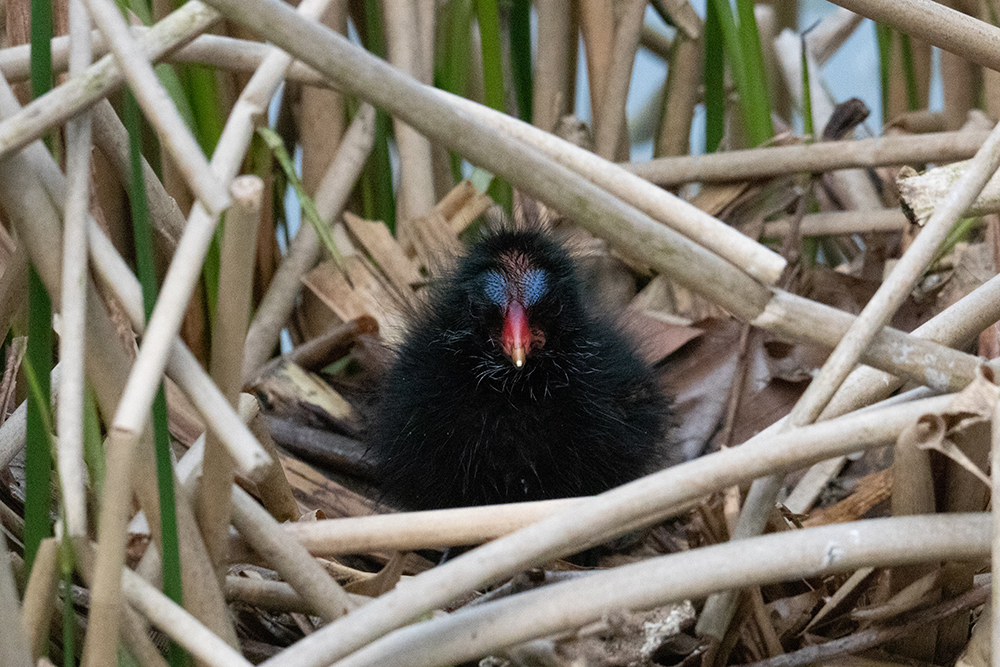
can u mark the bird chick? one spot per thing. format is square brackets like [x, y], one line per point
[507, 388]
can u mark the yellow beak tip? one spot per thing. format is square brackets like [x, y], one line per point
[517, 356]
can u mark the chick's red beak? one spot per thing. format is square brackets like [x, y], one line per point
[516, 335]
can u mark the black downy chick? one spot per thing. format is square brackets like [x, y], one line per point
[508, 389]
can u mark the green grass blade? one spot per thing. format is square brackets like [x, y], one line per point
[489, 36]
[754, 98]
[171, 565]
[909, 72]
[203, 93]
[309, 211]
[38, 451]
[715, 81]
[378, 171]
[41, 51]
[731, 41]
[807, 110]
[38, 359]
[883, 36]
[93, 447]
[138, 7]
[520, 57]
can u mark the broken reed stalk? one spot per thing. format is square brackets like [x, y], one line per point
[419, 530]
[608, 134]
[477, 631]
[331, 196]
[755, 163]
[158, 108]
[66, 100]
[237, 258]
[39, 594]
[69, 461]
[15, 649]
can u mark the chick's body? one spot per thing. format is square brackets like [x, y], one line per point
[507, 389]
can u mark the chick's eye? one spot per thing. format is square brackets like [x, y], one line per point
[535, 286]
[495, 287]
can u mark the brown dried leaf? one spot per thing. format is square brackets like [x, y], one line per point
[374, 236]
[381, 582]
[366, 294]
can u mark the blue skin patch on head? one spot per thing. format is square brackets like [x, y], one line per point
[495, 287]
[535, 285]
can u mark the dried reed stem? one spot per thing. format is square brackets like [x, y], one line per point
[112, 138]
[937, 24]
[100, 645]
[178, 624]
[662, 206]
[551, 94]
[608, 132]
[275, 595]
[421, 530]
[238, 55]
[813, 158]
[236, 264]
[289, 558]
[995, 554]
[842, 222]
[72, 472]
[597, 21]
[416, 186]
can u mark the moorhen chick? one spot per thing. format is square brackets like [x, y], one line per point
[508, 388]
